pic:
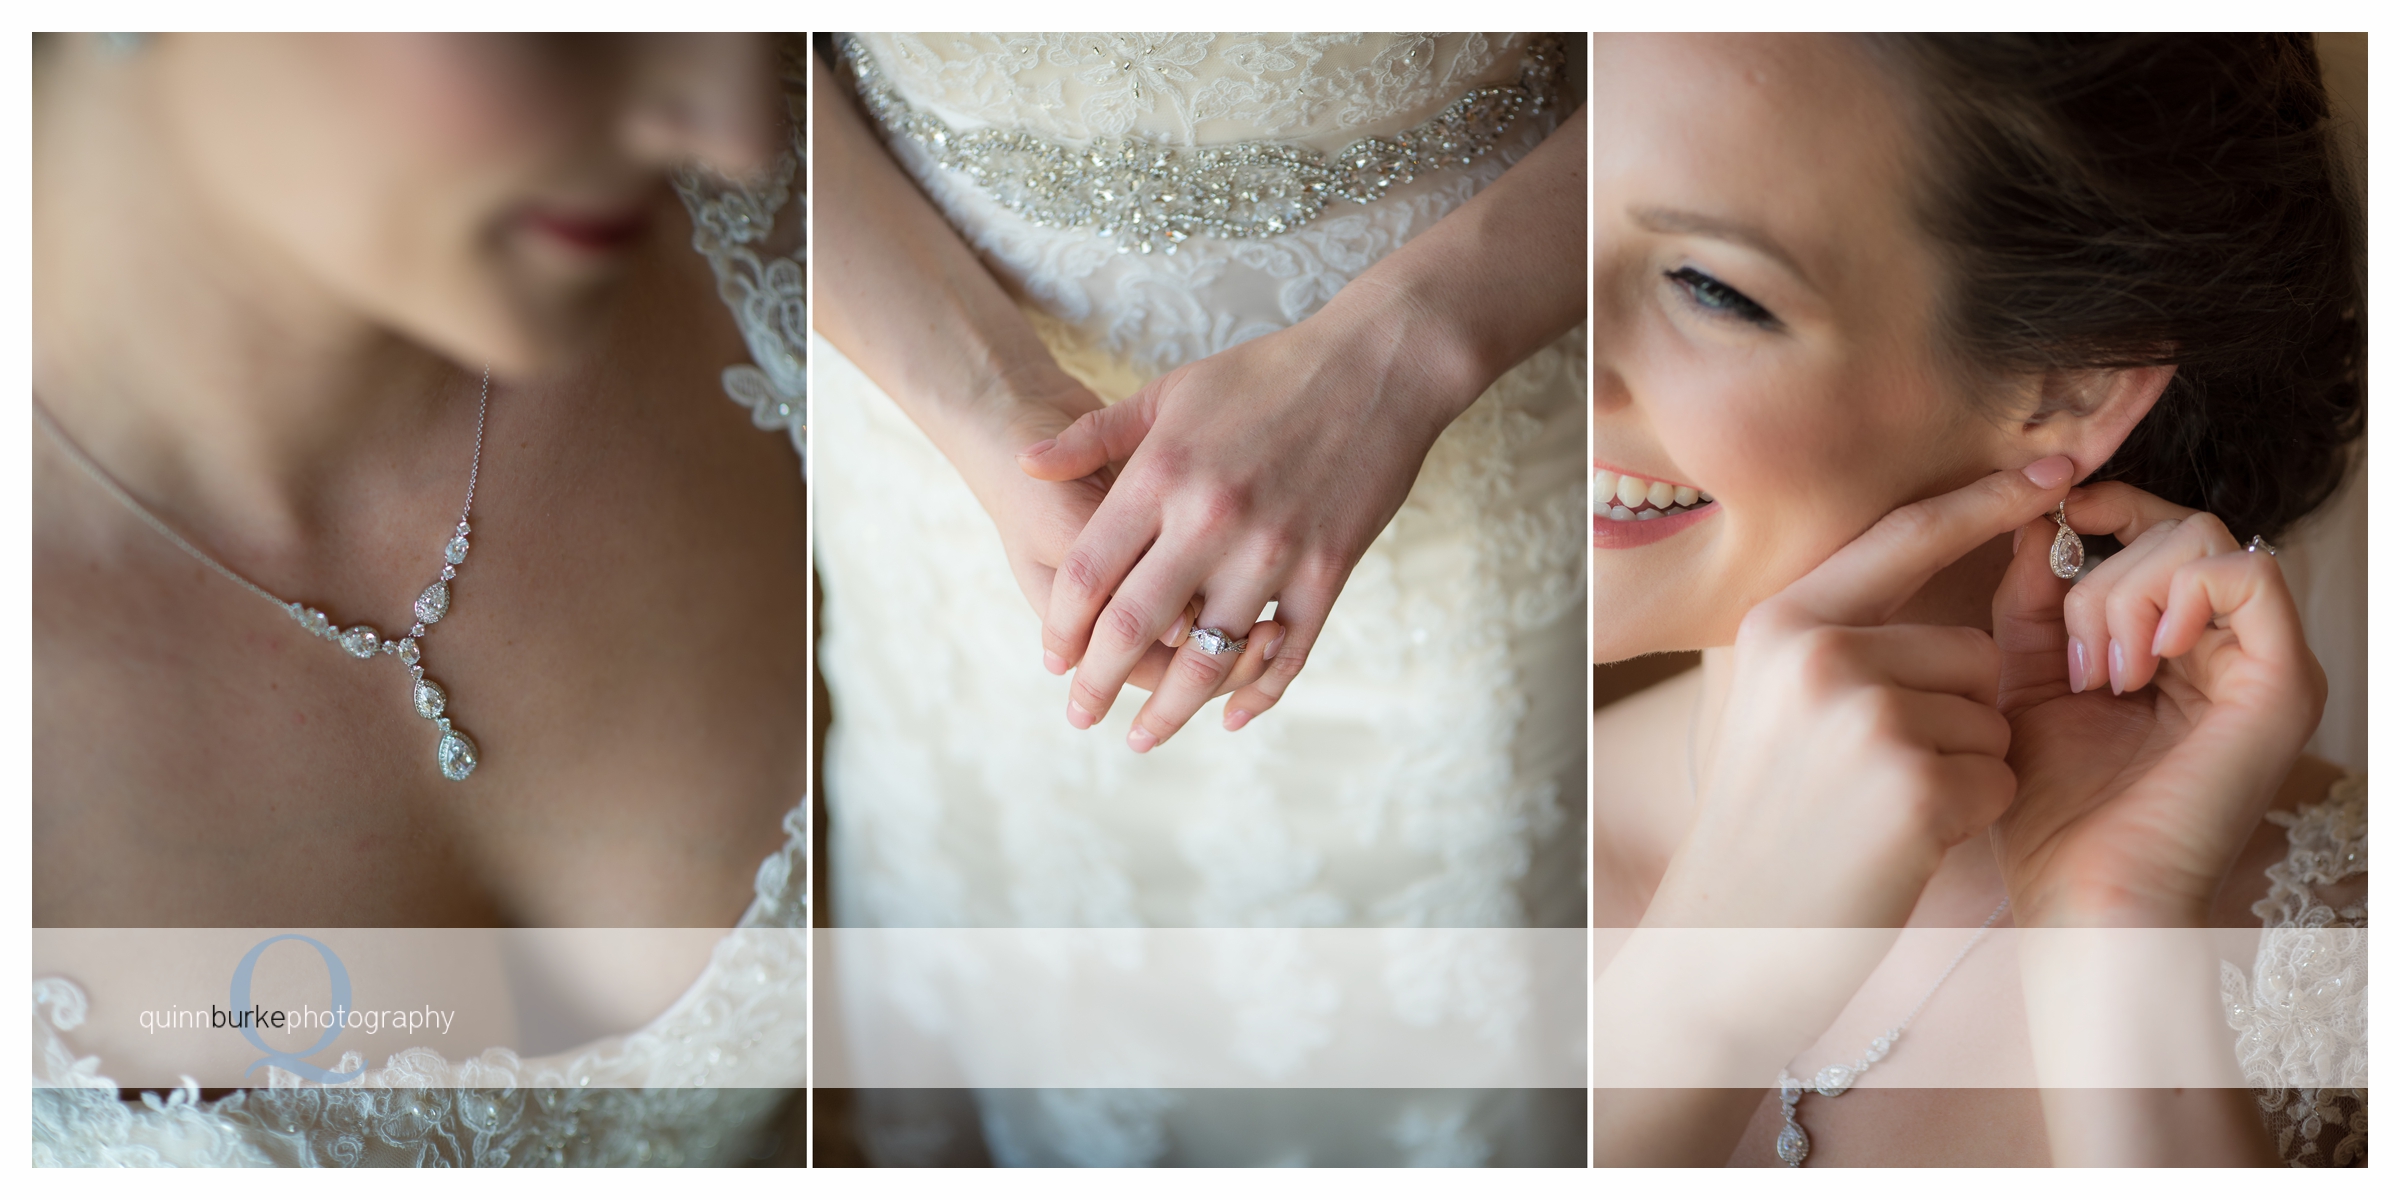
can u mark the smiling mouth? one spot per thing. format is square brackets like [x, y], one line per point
[1619, 496]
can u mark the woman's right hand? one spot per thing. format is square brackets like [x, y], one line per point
[1853, 754]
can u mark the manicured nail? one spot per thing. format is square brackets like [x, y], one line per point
[2077, 666]
[1037, 448]
[2051, 472]
[2016, 541]
[1140, 739]
[1273, 644]
[1052, 663]
[1077, 717]
[2158, 639]
[1236, 718]
[2116, 667]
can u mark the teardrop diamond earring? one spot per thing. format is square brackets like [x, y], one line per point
[2066, 550]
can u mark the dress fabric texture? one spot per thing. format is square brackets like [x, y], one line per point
[673, 1093]
[1426, 770]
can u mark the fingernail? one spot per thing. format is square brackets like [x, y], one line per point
[1236, 718]
[2016, 542]
[1037, 448]
[2075, 664]
[2116, 667]
[2158, 639]
[1273, 644]
[1052, 663]
[1140, 740]
[1077, 717]
[2051, 472]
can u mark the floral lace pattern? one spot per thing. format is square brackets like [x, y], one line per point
[2302, 1010]
[682, 1090]
[1421, 773]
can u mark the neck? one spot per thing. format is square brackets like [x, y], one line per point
[193, 359]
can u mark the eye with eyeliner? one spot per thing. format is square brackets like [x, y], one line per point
[1716, 298]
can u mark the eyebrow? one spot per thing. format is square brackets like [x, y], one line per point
[1676, 220]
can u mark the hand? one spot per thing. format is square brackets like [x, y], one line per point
[1258, 474]
[1038, 519]
[2135, 798]
[1853, 754]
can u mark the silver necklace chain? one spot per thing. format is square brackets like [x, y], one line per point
[456, 754]
[1792, 1144]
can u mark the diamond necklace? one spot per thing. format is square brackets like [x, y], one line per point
[456, 752]
[1792, 1144]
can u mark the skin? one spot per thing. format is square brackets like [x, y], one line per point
[1257, 475]
[1885, 644]
[267, 271]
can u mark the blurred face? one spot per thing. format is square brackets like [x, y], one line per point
[1763, 329]
[478, 193]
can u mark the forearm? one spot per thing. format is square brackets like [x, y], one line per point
[1485, 287]
[902, 296]
[2132, 1050]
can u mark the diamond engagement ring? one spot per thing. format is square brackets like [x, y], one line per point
[1214, 641]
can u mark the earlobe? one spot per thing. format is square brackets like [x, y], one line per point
[2087, 414]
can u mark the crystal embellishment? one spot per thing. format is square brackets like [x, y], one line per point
[406, 648]
[1154, 197]
[2066, 550]
[1792, 1144]
[434, 603]
[456, 754]
[430, 699]
[455, 552]
[361, 641]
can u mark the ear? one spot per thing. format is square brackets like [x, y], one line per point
[2087, 414]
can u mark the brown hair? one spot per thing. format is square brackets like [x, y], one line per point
[2119, 200]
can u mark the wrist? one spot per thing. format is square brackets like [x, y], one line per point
[1430, 362]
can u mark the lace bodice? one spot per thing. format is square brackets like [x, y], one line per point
[2301, 1012]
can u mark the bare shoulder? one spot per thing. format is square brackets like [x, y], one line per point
[2311, 782]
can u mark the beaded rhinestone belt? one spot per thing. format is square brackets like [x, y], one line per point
[1153, 197]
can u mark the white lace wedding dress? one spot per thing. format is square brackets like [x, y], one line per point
[1427, 770]
[672, 1093]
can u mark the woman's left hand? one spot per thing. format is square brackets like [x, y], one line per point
[2156, 707]
[1258, 474]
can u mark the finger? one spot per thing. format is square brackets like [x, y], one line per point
[2248, 589]
[2137, 600]
[1300, 608]
[1976, 789]
[2026, 625]
[1195, 674]
[2119, 510]
[1185, 622]
[1091, 572]
[1253, 663]
[1951, 659]
[1095, 440]
[1865, 582]
[2085, 611]
[1136, 617]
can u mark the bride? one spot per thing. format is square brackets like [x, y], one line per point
[1922, 322]
[294, 298]
[1208, 330]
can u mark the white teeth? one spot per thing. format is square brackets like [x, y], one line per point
[1621, 497]
[1632, 492]
[1705, 498]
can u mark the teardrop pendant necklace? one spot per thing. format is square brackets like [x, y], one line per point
[1792, 1145]
[456, 753]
